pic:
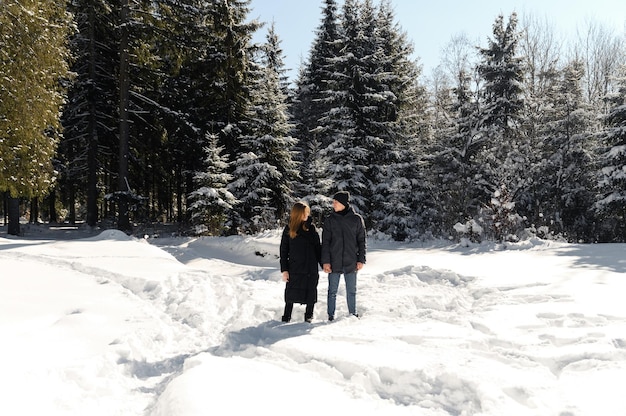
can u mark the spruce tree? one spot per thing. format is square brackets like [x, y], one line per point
[311, 102]
[252, 186]
[611, 203]
[453, 153]
[343, 147]
[270, 147]
[275, 60]
[227, 98]
[501, 70]
[209, 91]
[503, 158]
[397, 207]
[186, 59]
[89, 117]
[564, 181]
[211, 200]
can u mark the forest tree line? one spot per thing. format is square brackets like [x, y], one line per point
[117, 113]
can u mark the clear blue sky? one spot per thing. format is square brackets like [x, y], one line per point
[430, 25]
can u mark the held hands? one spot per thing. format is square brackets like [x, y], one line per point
[328, 269]
[285, 276]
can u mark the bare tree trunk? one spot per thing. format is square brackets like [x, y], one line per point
[52, 200]
[34, 211]
[14, 216]
[92, 147]
[72, 202]
[123, 222]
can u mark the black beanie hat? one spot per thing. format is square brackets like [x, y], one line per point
[343, 197]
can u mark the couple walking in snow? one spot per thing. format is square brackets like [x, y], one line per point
[341, 251]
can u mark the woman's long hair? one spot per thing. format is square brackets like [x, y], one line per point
[296, 218]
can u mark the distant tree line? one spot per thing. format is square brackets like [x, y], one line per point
[117, 113]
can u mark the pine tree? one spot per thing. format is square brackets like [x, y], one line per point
[227, 99]
[503, 158]
[89, 117]
[275, 60]
[453, 154]
[397, 206]
[142, 107]
[211, 200]
[270, 143]
[34, 64]
[344, 128]
[566, 157]
[539, 50]
[311, 103]
[611, 203]
[502, 72]
[363, 123]
[209, 90]
[186, 58]
[345, 124]
[252, 185]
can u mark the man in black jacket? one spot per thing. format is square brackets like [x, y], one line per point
[343, 250]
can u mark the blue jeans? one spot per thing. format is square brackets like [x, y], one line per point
[333, 285]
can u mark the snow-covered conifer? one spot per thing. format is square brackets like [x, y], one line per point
[611, 203]
[211, 201]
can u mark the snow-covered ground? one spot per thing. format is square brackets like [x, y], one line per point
[114, 325]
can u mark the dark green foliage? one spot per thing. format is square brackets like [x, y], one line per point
[213, 135]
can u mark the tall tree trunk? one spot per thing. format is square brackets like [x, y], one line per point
[52, 200]
[5, 208]
[92, 147]
[123, 222]
[179, 196]
[72, 202]
[14, 216]
[34, 211]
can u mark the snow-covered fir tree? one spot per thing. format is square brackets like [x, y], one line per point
[253, 187]
[311, 103]
[501, 70]
[212, 201]
[453, 153]
[270, 142]
[539, 49]
[218, 77]
[503, 157]
[566, 148]
[195, 64]
[346, 148]
[89, 129]
[275, 59]
[611, 203]
[364, 85]
[398, 197]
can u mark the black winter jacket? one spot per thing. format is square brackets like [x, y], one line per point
[343, 241]
[300, 256]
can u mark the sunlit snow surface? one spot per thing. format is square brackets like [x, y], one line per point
[114, 325]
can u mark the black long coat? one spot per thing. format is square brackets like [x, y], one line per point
[300, 256]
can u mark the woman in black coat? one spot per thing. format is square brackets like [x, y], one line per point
[300, 252]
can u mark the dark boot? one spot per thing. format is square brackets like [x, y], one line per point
[308, 314]
[287, 313]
